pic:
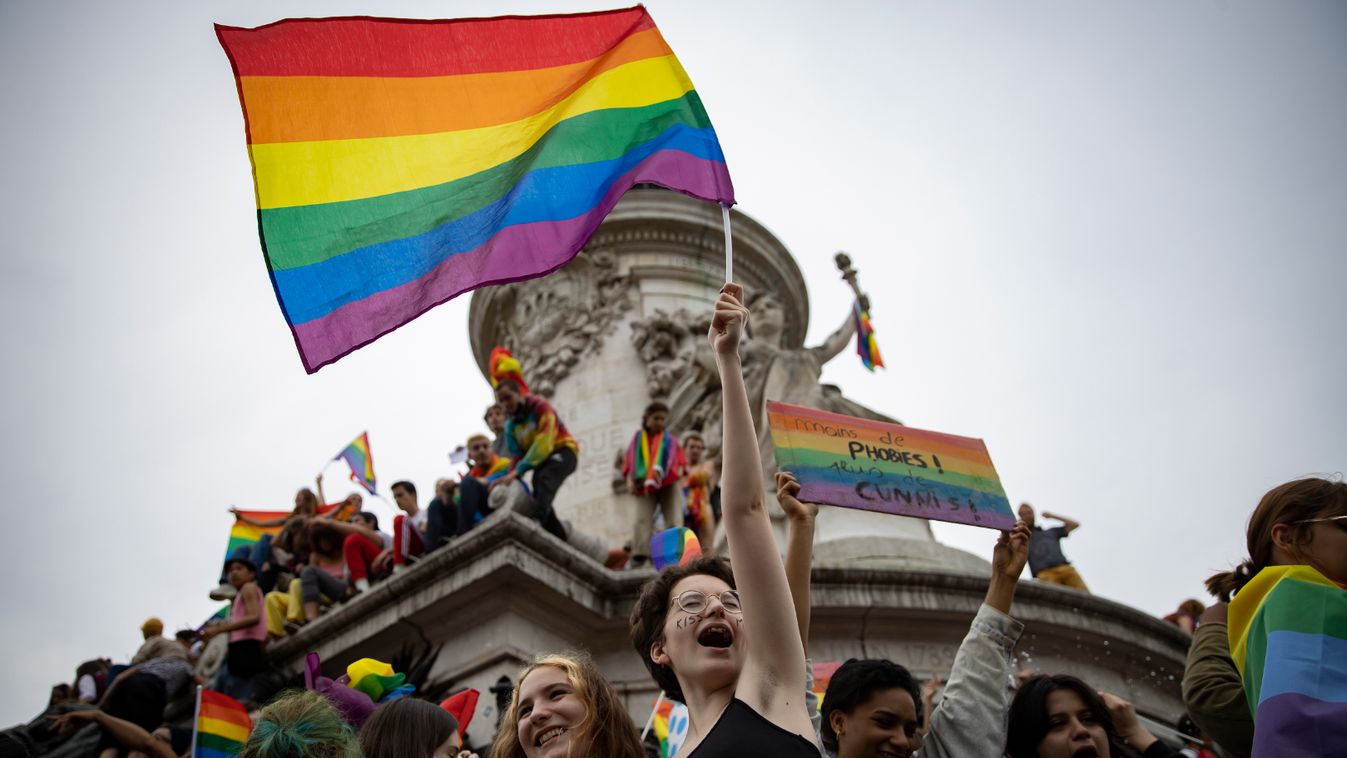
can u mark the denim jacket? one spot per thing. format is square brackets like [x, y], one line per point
[970, 720]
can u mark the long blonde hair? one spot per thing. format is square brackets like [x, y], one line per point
[607, 728]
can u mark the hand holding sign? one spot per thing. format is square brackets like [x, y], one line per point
[889, 468]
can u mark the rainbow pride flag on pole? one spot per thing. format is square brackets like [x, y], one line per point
[399, 163]
[1288, 636]
[222, 725]
[866, 346]
[358, 457]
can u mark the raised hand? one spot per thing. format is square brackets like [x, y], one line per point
[1125, 719]
[1011, 551]
[728, 320]
[787, 492]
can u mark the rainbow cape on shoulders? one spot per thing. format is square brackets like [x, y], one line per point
[1288, 637]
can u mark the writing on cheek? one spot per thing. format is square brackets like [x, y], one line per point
[684, 623]
[740, 621]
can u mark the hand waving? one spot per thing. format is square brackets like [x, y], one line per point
[728, 320]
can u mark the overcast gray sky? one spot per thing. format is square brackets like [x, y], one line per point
[1108, 238]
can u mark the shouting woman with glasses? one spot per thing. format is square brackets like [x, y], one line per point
[693, 624]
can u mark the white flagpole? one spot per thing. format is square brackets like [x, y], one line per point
[650, 721]
[196, 718]
[729, 244]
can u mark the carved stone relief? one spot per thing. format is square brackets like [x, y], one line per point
[553, 322]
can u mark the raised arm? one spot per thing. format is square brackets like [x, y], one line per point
[799, 548]
[258, 522]
[971, 716]
[1067, 524]
[837, 341]
[772, 681]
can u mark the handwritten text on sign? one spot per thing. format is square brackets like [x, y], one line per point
[874, 466]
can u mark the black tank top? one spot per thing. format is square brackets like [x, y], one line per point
[742, 732]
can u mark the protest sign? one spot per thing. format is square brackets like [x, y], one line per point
[889, 468]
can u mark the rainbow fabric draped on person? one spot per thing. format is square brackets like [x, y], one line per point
[358, 457]
[399, 163]
[653, 463]
[1288, 636]
[222, 725]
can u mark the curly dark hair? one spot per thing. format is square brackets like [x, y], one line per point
[652, 608]
[855, 682]
[1029, 714]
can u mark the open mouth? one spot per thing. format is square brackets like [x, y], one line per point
[1085, 751]
[549, 735]
[715, 635]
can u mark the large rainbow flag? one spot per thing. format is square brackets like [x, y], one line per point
[876, 466]
[222, 725]
[399, 162]
[1288, 636]
[358, 457]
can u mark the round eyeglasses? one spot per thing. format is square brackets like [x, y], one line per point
[695, 601]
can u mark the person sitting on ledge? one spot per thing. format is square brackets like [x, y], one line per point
[409, 527]
[1046, 561]
[367, 551]
[475, 496]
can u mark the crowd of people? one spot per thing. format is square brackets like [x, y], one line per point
[725, 634]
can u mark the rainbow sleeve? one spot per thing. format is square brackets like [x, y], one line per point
[543, 437]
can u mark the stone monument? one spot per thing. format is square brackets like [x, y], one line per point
[622, 325]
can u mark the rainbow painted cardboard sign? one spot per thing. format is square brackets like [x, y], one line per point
[889, 468]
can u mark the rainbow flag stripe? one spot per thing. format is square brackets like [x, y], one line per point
[399, 163]
[866, 346]
[671, 726]
[222, 725]
[357, 456]
[1288, 636]
[244, 535]
[674, 547]
[890, 468]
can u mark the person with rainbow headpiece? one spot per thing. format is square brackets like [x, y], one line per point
[653, 466]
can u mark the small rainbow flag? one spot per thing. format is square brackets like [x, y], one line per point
[399, 163]
[358, 457]
[1288, 636]
[671, 726]
[866, 346]
[674, 547]
[222, 725]
[890, 468]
